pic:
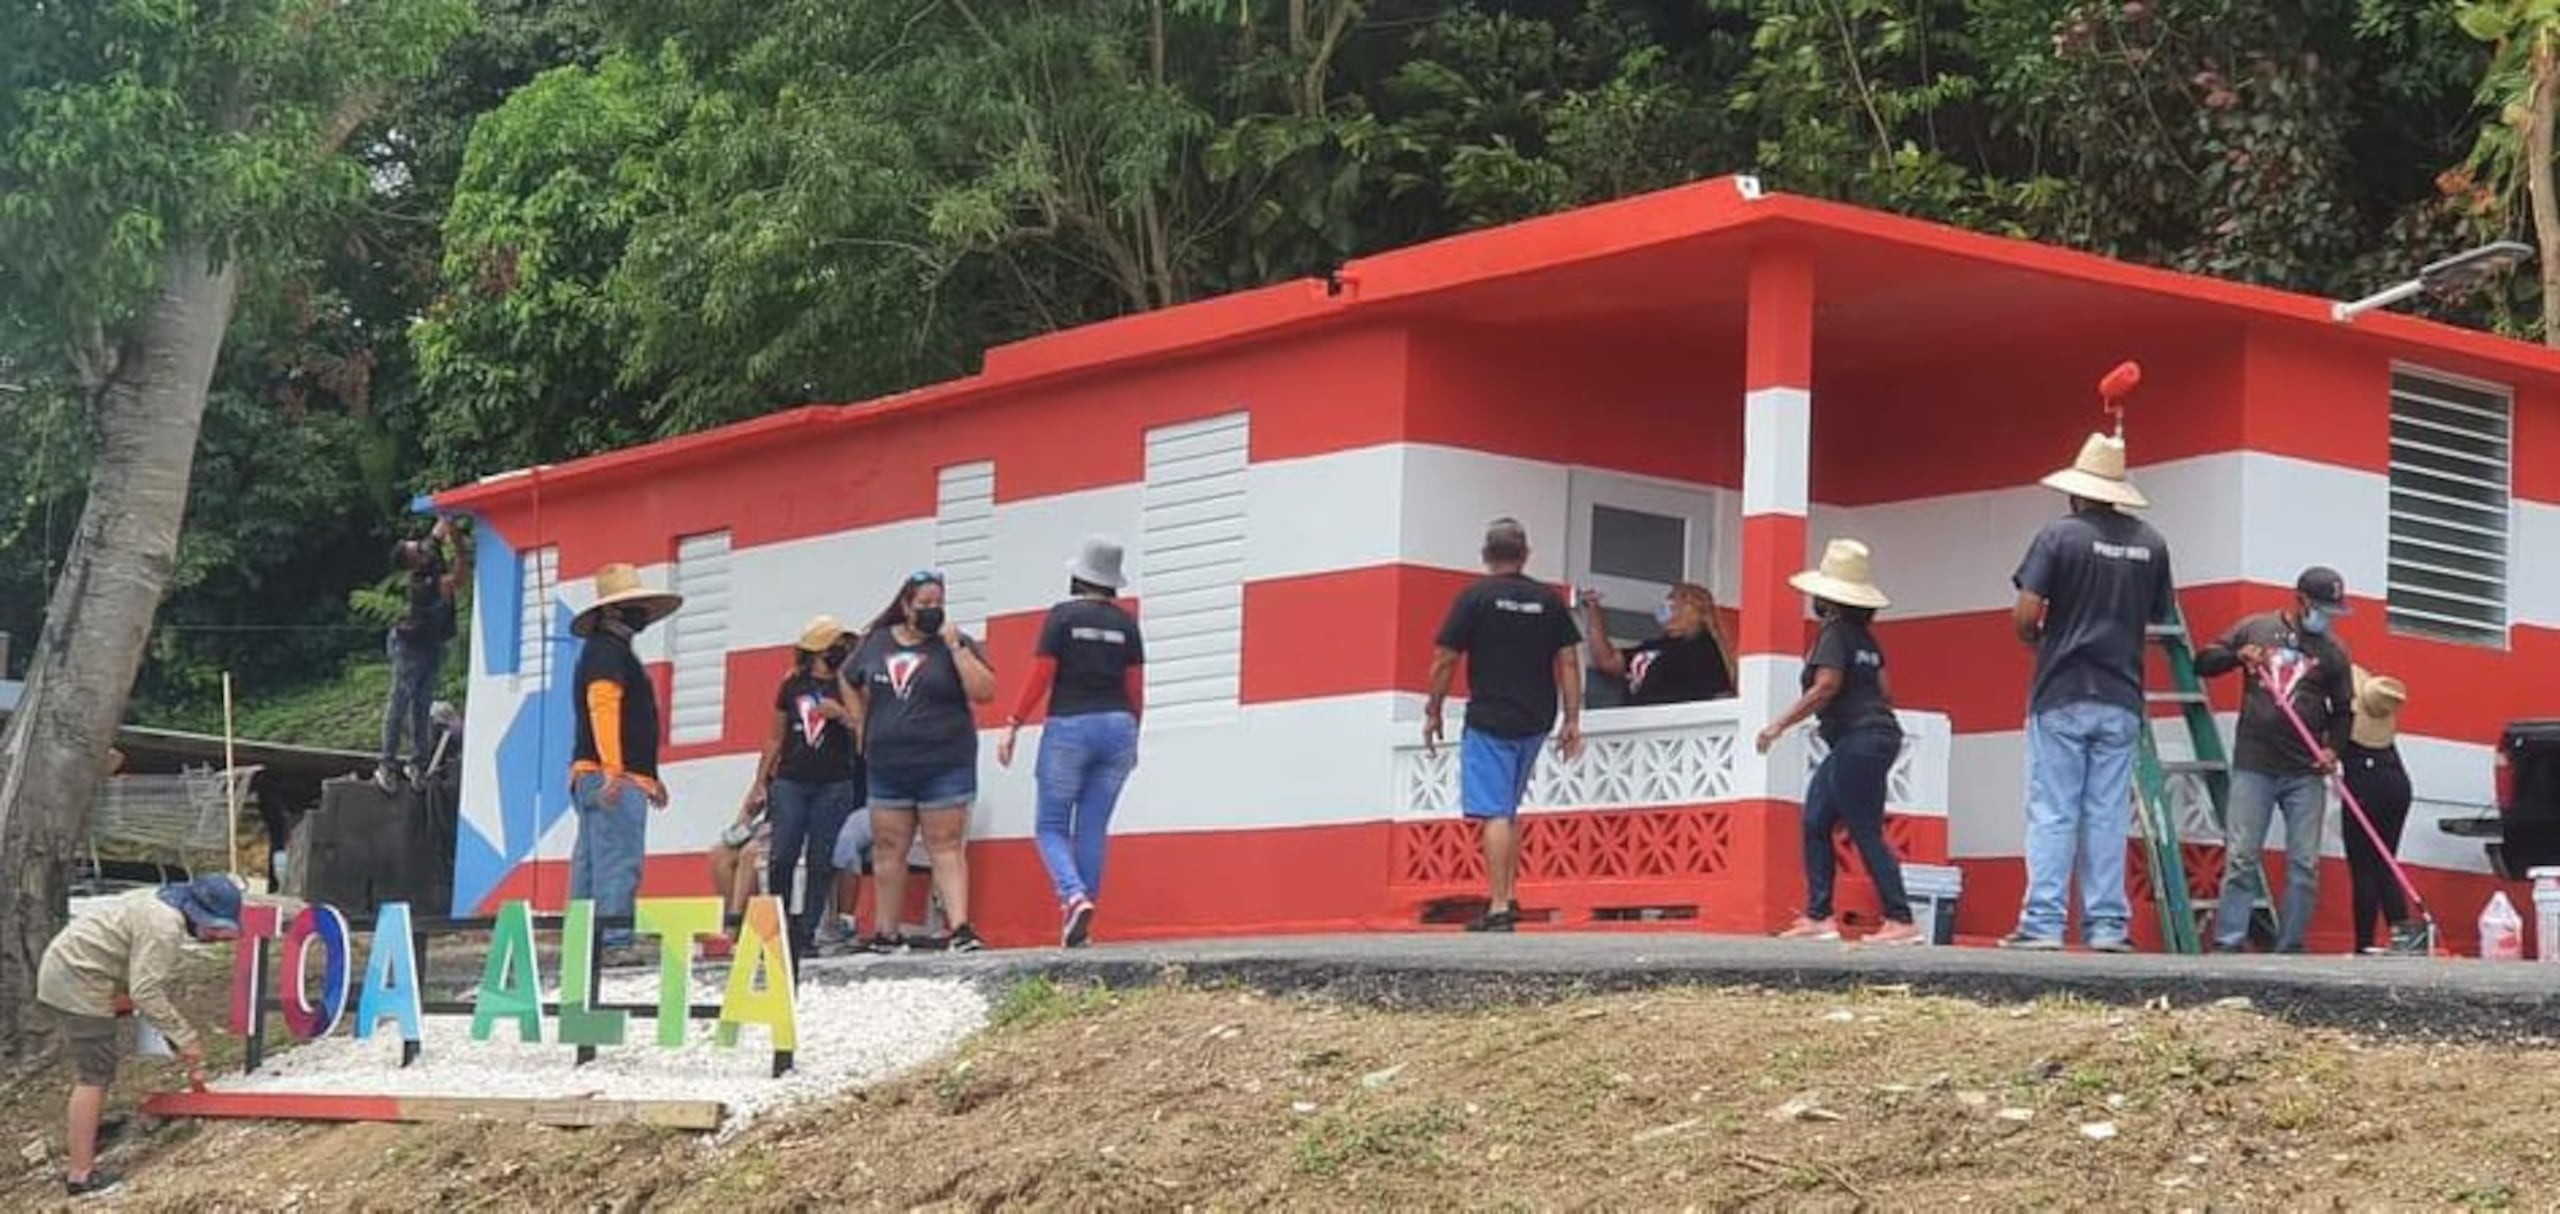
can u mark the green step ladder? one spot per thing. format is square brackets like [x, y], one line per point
[2155, 810]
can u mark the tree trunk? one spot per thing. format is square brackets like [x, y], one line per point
[2543, 192]
[146, 411]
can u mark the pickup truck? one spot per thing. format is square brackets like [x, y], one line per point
[2525, 834]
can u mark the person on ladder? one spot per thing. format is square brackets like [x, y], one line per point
[2089, 589]
[2271, 770]
[2380, 783]
[416, 648]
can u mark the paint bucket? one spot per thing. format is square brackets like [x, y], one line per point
[148, 1041]
[2546, 913]
[1934, 891]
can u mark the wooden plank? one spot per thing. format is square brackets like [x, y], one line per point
[291, 1106]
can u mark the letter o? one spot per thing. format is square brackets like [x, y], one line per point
[324, 926]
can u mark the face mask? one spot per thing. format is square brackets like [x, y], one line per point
[635, 618]
[928, 620]
[2315, 621]
[1662, 615]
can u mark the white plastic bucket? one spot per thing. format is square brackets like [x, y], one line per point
[2546, 913]
[148, 1041]
[1934, 891]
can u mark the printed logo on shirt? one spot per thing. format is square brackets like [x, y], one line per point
[1868, 657]
[2121, 552]
[1520, 606]
[1108, 636]
[812, 725]
[1641, 666]
[902, 668]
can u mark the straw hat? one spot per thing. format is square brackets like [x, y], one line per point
[820, 636]
[619, 584]
[1843, 577]
[1098, 564]
[2098, 474]
[2377, 709]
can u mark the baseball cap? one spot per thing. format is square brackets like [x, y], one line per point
[2324, 588]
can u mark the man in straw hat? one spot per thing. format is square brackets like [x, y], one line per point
[613, 775]
[1522, 650]
[2380, 782]
[2092, 583]
[2271, 770]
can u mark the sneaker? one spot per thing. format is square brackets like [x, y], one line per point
[1079, 928]
[884, 945]
[1893, 933]
[719, 948]
[386, 776]
[2410, 940]
[964, 939]
[1496, 920]
[1825, 928]
[2111, 944]
[836, 930]
[99, 1183]
[624, 956]
[2023, 942]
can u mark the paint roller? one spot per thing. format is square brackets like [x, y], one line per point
[2114, 387]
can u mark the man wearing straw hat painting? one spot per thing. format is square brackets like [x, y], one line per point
[2091, 585]
[613, 778]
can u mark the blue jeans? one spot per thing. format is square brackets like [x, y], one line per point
[414, 667]
[807, 818]
[1848, 789]
[2256, 796]
[613, 838]
[2079, 810]
[1084, 761]
[1493, 773]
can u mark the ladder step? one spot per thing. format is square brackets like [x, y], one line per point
[2164, 631]
[2194, 767]
[2176, 697]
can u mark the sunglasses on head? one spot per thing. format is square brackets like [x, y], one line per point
[923, 577]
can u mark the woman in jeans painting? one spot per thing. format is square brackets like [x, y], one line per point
[810, 776]
[1848, 695]
[1091, 670]
[912, 685]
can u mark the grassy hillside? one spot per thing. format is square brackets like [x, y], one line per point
[344, 712]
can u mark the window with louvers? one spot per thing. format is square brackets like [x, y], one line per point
[535, 627]
[2452, 507]
[699, 686]
[964, 542]
[1192, 519]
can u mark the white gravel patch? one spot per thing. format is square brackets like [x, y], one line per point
[851, 1034]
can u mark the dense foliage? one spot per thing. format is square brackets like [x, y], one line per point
[615, 219]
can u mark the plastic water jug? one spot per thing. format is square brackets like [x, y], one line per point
[2546, 914]
[2501, 930]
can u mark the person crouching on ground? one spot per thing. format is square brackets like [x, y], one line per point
[1091, 668]
[810, 774]
[1519, 642]
[736, 857]
[1849, 695]
[1691, 661]
[913, 685]
[2271, 770]
[613, 775]
[2380, 782]
[130, 948]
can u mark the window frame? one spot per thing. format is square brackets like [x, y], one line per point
[2424, 623]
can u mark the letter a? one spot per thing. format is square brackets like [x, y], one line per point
[511, 988]
[760, 987]
[390, 976]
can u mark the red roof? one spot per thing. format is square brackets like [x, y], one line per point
[1674, 258]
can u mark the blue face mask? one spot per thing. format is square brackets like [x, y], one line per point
[1662, 614]
[2315, 621]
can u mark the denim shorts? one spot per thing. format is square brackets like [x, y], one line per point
[923, 787]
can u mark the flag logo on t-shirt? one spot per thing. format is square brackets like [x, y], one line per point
[902, 672]
[1640, 666]
[812, 725]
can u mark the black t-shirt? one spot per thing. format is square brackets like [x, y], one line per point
[429, 616]
[815, 748]
[1510, 628]
[2104, 577]
[607, 658]
[918, 715]
[1676, 670]
[1094, 642]
[1850, 648]
[2265, 741]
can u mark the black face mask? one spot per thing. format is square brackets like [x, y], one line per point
[634, 618]
[928, 620]
[835, 655]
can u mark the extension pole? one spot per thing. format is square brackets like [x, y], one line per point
[230, 782]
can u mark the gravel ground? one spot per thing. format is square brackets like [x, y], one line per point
[851, 1034]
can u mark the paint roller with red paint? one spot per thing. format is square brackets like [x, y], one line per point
[2117, 385]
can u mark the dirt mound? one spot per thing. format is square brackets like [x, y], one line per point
[1080, 1099]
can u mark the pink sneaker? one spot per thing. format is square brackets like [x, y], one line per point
[1893, 933]
[1811, 929]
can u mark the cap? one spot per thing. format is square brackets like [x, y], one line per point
[2323, 588]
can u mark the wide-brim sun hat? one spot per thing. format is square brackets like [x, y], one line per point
[821, 635]
[211, 902]
[617, 585]
[1098, 564]
[2377, 709]
[2099, 475]
[1845, 576]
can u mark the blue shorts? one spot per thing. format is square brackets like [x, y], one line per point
[1493, 773]
[923, 787]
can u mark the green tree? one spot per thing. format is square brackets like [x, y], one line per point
[2522, 88]
[152, 156]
